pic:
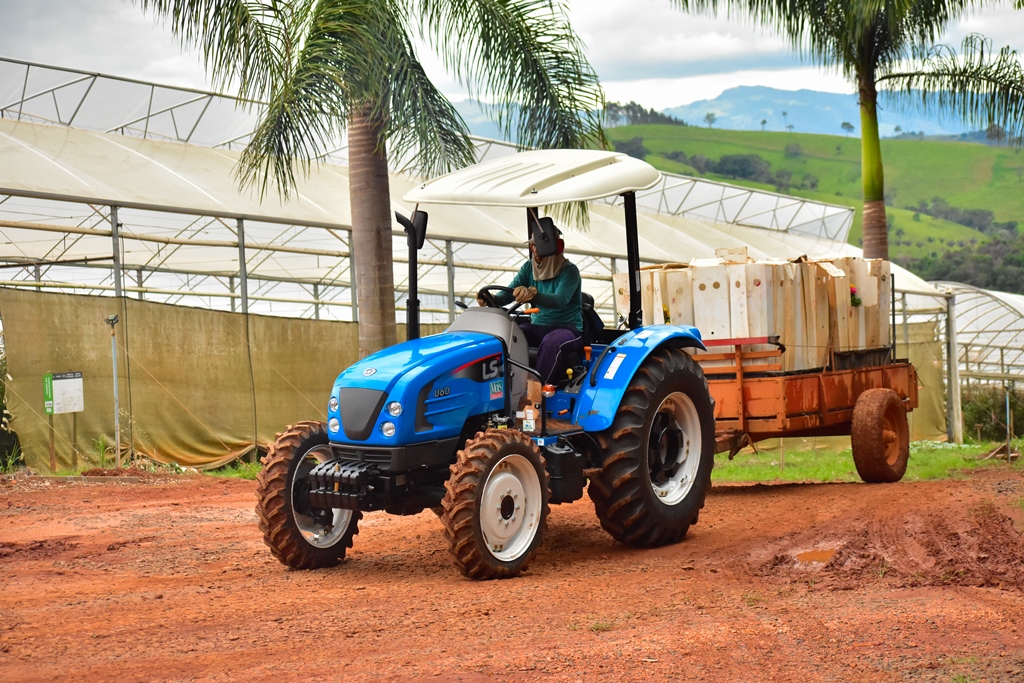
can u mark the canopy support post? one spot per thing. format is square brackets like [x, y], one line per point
[635, 317]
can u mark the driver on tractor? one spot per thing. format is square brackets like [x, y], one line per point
[552, 285]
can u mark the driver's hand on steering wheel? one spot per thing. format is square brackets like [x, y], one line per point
[524, 294]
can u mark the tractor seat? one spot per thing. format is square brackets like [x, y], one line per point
[592, 324]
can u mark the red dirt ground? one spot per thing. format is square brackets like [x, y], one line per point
[169, 580]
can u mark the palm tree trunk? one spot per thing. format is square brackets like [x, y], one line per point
[370, 199]
[875, 233]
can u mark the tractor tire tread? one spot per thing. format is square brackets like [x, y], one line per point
[620, 491]
[273, 508]
[459, 504]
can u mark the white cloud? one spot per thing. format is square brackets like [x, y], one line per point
[644, 50]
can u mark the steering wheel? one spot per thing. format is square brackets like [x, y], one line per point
[489, 299]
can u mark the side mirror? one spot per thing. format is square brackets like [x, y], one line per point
[416, 229]
[545, 236]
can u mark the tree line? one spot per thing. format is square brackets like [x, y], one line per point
[997, 265]
[981, 220]
[632, 114]
[746, 166]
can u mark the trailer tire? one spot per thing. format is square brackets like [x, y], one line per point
[880, 436]
[493, 533]
[658, 453]
[300, 538]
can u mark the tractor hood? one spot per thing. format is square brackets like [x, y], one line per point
[421, 390]
[383, 369]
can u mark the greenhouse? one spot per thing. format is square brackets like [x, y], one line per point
[236, 312]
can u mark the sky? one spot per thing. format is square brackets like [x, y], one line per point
[643, 50]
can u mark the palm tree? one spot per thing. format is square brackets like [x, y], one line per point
[892, 43]
[319, 68]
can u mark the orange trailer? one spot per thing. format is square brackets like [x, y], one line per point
[866, 394]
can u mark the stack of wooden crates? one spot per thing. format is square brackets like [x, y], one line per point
[814, 305]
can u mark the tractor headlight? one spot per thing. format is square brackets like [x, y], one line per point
[388, 429]
[333, 403]
[394, 409]
[333, 425]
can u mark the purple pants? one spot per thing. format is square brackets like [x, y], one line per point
[553, 343]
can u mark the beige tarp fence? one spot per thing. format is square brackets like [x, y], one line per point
[928, 421]
[197, 387]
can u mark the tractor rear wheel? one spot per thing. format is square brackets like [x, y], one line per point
[658, 453]
[880, 436]
[496, 504]
[300, 536]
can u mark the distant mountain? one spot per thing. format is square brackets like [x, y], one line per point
[476, 118]
[808, 111]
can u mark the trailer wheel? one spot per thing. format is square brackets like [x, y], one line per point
[658, 453]
[298, 535]
[496, 504]
[880, 436]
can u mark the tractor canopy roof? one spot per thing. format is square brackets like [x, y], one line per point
[539, 178]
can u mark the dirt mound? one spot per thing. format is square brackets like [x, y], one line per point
[36, 549]
[114, 472]
[981, 548]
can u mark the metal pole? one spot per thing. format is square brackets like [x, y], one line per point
[243, 279]
[112, 321]
[38, 275]
[316, 301]
[615, 294]
[954, 428]
[115, 235]
[138, 277]
[1007, 387]
[906, 325]
[231, 288]
[449, 258]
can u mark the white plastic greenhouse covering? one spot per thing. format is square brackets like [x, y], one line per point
[103, 175]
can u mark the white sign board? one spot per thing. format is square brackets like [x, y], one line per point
[68, 393]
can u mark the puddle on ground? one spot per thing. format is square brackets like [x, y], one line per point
[822, 556]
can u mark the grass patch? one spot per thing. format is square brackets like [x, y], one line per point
[599, 626]
[825, 460]
[239, 469]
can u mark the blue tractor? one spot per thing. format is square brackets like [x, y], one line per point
[435, 422]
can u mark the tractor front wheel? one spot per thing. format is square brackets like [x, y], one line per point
[301, 536]
[658, 453]
[496, 504]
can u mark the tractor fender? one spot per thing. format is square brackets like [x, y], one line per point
[610, 375]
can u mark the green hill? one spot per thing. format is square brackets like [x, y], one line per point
[827, 168]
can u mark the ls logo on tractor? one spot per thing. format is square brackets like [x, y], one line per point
[492, 368]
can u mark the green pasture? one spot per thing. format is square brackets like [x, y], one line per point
[830, 459]
[966, 175]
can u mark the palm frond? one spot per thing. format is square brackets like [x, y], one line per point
[240, 41]
[422, 127]
[323, 42]
[980, 86]
[523, 58]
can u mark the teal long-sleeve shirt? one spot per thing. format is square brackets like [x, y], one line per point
[559, 299]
